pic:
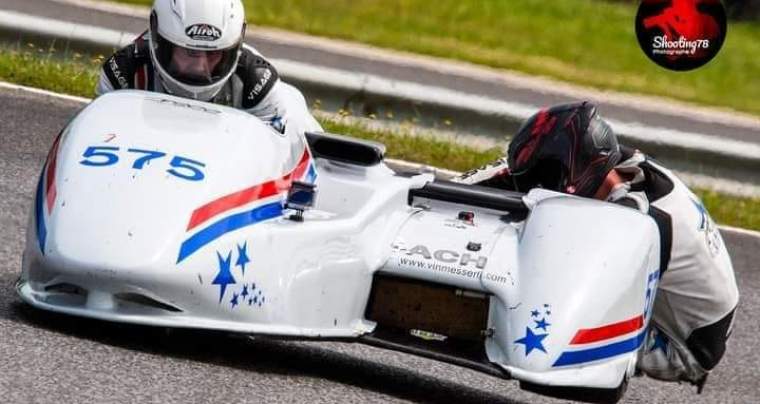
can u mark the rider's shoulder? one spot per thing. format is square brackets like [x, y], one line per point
[122, 64]
[257, 74]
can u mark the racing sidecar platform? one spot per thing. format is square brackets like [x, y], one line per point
[163, 211]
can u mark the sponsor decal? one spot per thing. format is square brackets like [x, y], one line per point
[448, 256]
[536, 330]
[203, 32]
[259, 86]
[278, 124]
[464, 264]
[681, 34]
[706, 225]
[117, 72]
[427, 335]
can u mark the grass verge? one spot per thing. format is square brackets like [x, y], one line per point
[589, 42]
[27, 65]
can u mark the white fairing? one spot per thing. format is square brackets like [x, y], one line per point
[564, 266]
[150, 242]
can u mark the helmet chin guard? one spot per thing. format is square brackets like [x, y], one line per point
[195, 45]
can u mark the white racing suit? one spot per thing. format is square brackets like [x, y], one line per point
[255, 86]
[697, 293]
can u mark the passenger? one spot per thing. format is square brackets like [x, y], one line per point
[569, 148]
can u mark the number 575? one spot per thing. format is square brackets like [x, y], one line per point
[104, 156]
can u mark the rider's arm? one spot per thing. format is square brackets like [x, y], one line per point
[494, 175]
[104, 84]
[117, 71]
[271, 99]
[285, 105]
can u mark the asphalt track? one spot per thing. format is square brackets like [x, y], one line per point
[47, 358]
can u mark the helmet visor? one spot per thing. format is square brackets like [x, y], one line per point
[192, 66]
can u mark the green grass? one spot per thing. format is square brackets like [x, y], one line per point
[29, 66]
[738, 212]
[43, 68]
[589, 42]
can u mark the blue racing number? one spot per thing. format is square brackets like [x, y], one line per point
[100, 156]
[181, 167]
[148, 155]
[191, 168]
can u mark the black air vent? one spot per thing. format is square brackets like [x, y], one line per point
[146, 301]
[345, 149]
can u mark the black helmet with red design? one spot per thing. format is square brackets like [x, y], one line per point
[567, 148]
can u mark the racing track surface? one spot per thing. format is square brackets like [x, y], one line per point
[48, 358]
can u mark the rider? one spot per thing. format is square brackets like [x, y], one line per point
[195, 49]
[569, 148]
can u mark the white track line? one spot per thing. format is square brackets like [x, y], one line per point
[511, 110]
[407, 164]
[373, 84]
[47, 93]
[62, 29]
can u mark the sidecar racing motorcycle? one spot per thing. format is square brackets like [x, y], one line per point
[157, 210]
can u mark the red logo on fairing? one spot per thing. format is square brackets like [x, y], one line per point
[681, 34]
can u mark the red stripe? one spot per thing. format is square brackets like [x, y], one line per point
[248, 195]
[50, 188]
[590, 335]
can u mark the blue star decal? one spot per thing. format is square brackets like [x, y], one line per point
[224, 276]
[242, 257]
[535, 313]
[234, 301]
[532, 341]
[244, 293]
[542, 324]
[250, 301]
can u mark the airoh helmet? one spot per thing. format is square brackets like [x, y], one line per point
[195, 44]
[566, 148]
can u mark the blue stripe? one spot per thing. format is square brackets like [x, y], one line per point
[602, 352]
[39, 213]
[226, 225]
[311, 175]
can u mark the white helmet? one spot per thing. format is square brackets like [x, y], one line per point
[195, 44]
